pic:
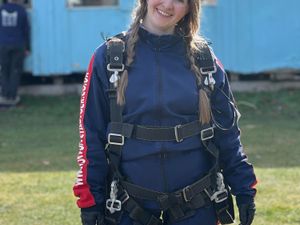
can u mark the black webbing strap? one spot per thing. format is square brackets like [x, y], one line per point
[115, 51]
[139, 214]
[167, 200]
[225, 210]
[207, 68]
[177, 133]
[205, 59]
[180, 204]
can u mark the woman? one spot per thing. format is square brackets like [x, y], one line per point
[162, 88]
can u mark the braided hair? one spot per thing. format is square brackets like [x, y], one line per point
[188, 27]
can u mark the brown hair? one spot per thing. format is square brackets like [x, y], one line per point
[188, 27]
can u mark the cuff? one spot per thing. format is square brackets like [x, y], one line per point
[95, 208]
[244, 199]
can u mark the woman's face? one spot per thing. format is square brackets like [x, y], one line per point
[163, 15]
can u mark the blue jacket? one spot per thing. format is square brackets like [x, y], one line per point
[161, 91]
[14, 28]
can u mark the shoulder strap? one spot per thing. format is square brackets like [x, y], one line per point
[207, 66]
[115, 65]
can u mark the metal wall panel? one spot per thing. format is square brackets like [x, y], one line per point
[252, 36]
[249, 36]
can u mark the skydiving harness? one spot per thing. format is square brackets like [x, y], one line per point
[123, 195]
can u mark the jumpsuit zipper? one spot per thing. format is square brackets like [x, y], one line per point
[159, 110]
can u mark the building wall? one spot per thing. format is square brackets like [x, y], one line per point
[253, 36]
[249, 36]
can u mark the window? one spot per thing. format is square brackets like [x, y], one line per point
[209, 2]
[74, 3]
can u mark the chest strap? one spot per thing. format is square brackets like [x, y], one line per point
[118, 131]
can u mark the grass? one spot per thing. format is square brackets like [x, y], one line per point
[38, 147]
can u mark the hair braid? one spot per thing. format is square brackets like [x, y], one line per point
[133, 37]
[204, 104]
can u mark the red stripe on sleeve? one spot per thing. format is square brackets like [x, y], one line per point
[81, 188]
[254, 184]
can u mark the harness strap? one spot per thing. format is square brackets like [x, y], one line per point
[140, 215]
[167, 200]
[179, 204]
[205, 59]
[115, 51]
[182, 203]
[177, 133]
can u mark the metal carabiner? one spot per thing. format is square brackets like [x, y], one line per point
[113, 204]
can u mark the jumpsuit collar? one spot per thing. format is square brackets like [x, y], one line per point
[161, 42]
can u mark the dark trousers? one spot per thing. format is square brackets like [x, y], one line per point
[11, 62]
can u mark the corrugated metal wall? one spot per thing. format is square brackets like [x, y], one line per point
[249, 36]
[64, 38]
[252, 36]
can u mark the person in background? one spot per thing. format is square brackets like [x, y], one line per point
[153, 167]
[14, 46]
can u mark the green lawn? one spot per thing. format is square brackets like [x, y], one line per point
[38, 147]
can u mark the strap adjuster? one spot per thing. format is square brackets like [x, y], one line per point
[114, 69]
[207, 133]
[218, 196]
[124, 197]
[177, 133]
[208, 70]
[115, 139]
[187, 195]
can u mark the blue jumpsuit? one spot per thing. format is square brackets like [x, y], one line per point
[161, 91]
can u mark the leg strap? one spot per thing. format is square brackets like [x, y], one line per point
[193, 195]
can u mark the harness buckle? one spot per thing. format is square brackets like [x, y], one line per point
[177, 133]
[207, 133]
[219, 196]
[115, 139]
[113, 204]
[209, 80]
[212, 70]
[109, 68]
[187, 195]
[124, 197]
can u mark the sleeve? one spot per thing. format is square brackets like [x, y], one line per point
[238, 173]
[93, 119]
[26, 29]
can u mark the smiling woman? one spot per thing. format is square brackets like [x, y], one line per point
[162, 18]
[158, 130]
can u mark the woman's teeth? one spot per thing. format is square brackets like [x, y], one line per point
[163, 13]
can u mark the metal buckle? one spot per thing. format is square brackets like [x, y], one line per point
[124, 197]
[110, 135]
[108, 67]
[176, 133]
[219, 196]
[209, 80]
[209, 71]
[113, 205]
[203, 137]
[184, 192]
